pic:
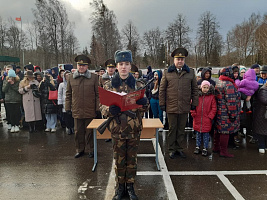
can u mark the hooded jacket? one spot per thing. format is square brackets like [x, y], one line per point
[228, 103]
[248, 85]
[205, 111]
[12, 94]
[203, 77]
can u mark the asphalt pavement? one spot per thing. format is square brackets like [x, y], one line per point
[41, 165]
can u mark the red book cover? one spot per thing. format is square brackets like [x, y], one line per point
[123, 100]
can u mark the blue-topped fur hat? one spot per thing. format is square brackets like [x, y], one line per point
[123, 56]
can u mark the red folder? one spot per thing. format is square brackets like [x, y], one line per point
[123, 100]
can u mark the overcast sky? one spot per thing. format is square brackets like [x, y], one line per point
[145, 14]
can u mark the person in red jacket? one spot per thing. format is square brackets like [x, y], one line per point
[203, 116]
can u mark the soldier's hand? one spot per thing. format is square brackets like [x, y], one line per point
[142, 101]
[163, 108]
[114, 110]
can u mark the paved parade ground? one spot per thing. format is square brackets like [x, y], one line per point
[42, 166]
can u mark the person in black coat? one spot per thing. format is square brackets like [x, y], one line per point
[49, 107]
[206, 75]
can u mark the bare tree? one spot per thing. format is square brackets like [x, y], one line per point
[104, 26]
[3, 32]
[153, 44]
[241, 39]
[131, 38]
[261, 42]
[209, 38]
[54, 30]
[177, 33]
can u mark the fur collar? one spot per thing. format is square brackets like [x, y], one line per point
[172, 68]
[16, 79]
[211, 91]
[116, 81]
[76, 74]
[105, 76]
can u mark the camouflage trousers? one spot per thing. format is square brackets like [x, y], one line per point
[125, 155]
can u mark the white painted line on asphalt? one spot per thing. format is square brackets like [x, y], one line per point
[202, 173]
[145, 139]
[110, 190]
[146, 155]
[251, 172]
[166, 177]
[230, 187]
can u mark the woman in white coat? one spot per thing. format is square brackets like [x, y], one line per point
[67, 117]
[28, 87]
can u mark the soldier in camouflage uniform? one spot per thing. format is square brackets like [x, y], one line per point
[125, 131]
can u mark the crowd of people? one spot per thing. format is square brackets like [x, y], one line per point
[215, 109]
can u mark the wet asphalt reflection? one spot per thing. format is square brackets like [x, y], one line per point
[41, 165]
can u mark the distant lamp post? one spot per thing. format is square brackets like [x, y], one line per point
[163, 63]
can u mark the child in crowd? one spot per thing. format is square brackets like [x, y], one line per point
[203, 116]
[247, 86]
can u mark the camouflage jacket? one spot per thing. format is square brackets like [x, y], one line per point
[133, 126]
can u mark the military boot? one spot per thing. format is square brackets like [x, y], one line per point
[120, 192]
[130, 190]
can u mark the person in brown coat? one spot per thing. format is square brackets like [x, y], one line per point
[82, 100]
[28, 87]
[178, 93]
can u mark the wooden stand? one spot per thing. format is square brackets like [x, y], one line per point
[150, 130]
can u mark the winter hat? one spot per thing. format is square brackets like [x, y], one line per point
[123, 56]
[38, 73]
[29, 73]
[199, 74]
[11, 73]
[205, 83]
[227, 71]
[255, 66]
[235, 69]
[242, 68]
[37, 67]
[264, 69]
[29, 67]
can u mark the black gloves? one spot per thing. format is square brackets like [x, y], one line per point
[193, 107]
[114, 110]
[232, 119]
[163, 108]
[142, 101]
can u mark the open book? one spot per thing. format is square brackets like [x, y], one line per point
[123, 100]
